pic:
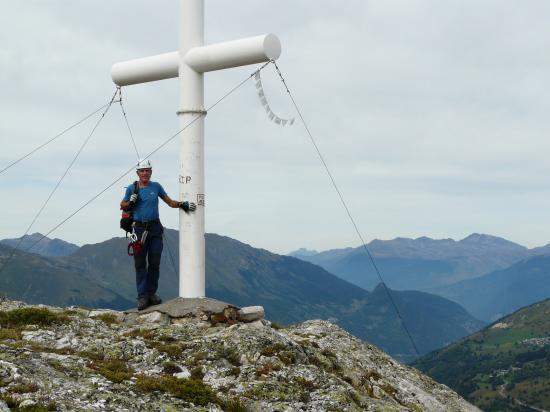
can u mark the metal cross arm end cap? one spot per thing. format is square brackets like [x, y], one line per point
[234, 53]
[202, 59]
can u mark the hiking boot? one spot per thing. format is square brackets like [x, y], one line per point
[142, 303]
[155, 300]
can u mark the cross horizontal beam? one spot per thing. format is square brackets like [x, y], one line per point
[202, 59]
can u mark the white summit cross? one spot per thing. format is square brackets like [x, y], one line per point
[189, 63]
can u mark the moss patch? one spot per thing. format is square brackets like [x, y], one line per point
[23, 388]
[141, 333]
[13, 404]
[10, 333]
[115, 370]
[190, 390]
[170, 368]
[171, 349]
[108, 318]
[17, 318]
[230, 354]
[235, 405]
[272, 350]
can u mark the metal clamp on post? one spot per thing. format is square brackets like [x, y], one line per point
[192, 111]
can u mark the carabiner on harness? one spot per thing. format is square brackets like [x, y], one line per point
[136, 245]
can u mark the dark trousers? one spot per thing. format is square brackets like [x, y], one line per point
[147, 261]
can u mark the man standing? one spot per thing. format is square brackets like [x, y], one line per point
[148, 229]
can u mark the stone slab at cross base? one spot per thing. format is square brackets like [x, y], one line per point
[187, 307]
[192, 309]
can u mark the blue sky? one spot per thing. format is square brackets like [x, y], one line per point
[432, 115]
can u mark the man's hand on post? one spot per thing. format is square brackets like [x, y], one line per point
[188, 206]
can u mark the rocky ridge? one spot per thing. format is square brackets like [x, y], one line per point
[228, 359]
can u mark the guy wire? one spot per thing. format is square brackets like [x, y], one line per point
[344, 204]
[148, 156]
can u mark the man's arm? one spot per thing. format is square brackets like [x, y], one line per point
[186, 206]
[170, 202]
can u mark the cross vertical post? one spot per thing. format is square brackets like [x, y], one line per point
[189, 64]
[191, 155]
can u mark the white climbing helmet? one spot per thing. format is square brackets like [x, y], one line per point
[144, 164]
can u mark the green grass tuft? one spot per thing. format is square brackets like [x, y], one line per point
[190, 390]
[10, 333]
[170, 368]
[234, 405]
[108, 318]
[24, 388]
[141, 333]
[17, 318]
[115, 370]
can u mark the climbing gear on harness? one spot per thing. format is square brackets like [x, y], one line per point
[135, 246]
[188, 206]
[144, 164]
[127, 215]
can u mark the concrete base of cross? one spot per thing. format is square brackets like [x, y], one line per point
[180, 310]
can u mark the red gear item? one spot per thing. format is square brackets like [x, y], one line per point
[134, 248]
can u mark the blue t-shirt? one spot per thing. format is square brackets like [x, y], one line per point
[147, 206]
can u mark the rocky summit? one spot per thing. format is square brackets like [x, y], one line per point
[198, 355]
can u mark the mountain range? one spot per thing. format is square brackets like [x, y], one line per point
[42, 245]
[489, 276]
[291, 290]
[52, 281]
[504, 367]
[421, 263]
[501, 292]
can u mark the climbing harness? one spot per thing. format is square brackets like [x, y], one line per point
[135, 246]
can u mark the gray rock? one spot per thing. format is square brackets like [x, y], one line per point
[154, 317]
[184, 374]
[27, 403]
[89, 364]
[251, 313]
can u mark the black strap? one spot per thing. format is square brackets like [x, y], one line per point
[135, 192]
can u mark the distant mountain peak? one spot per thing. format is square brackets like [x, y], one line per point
[483, 239]
[42, 245]
[476, 237]
[303, 252]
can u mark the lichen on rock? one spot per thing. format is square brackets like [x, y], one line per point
[203, 361]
